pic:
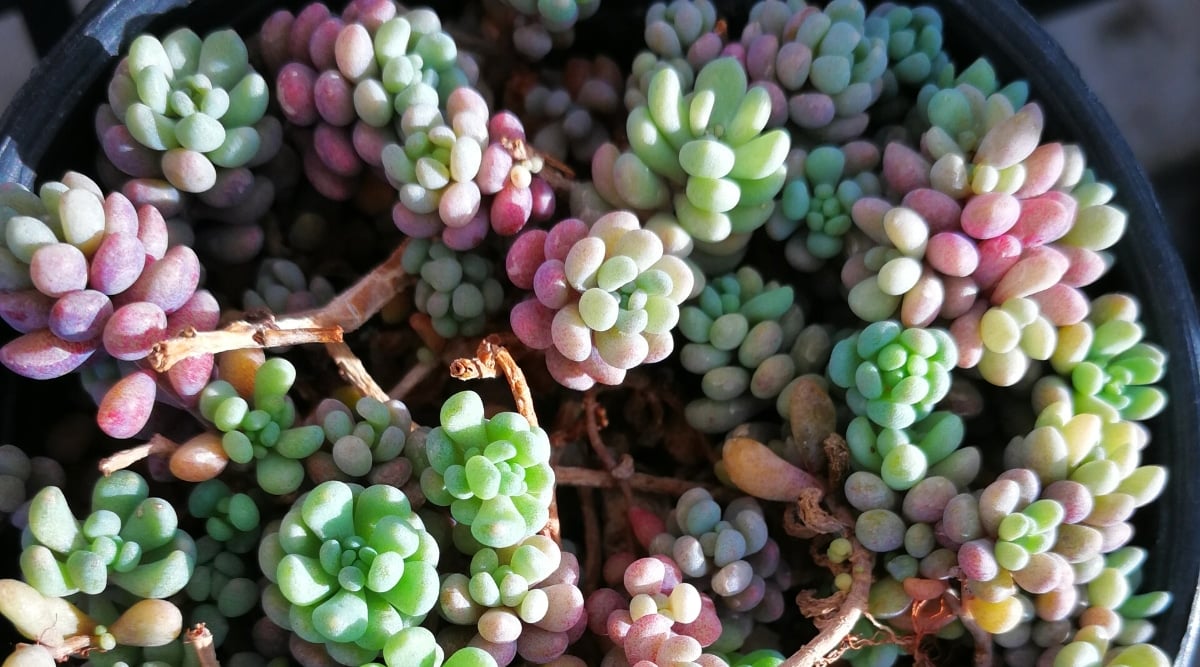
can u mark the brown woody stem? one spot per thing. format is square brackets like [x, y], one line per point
[413, 377]
[603, 479]
[595, 418]
[982, 639]
[199, 641]
[241, 335]
[77, 646]
[157, 445]
[492, 360]
[835, 628]
[351, 368]
[347, 312]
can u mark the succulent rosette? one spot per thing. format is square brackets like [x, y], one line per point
[816, 203]
[704, 151]
[523, 599]
[435, 168]
[740, 333]
[456, 290]
[347, 81]
[281, 287]
[541, 26]
[1111, 371]
[659, 618]
[261, 428]
[493, 473]
[570, 118]
[349, 567]
[85, 276]
[683, 35]
[728, 553]
[196, 103]
[826, 67]
[605, 298]
[365, 439]
[129, 540]
[913, 37]
[893, 375]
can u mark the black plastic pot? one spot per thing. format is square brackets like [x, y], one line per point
[48, 128]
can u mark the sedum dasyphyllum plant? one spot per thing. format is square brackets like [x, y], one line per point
[804, 352]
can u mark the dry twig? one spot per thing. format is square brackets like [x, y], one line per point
[351, 368]
[345, 313]
[983, 640]
[158, 445]
[199, 641]
[603, 479]
[837, 626]
[492, 360]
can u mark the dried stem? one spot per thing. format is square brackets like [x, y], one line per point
[77, 646]
[491, 360]
[591, 537]
[835, 628]
[266, 333]
[156, 446]
[345, 313]
[199, 641]
[983, 640]
[835, 622]
[602, 479]
[351, 368]
[596, 418]
[412, 378]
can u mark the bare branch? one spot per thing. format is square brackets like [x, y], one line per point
[157, 445]
[199, 641]
[603, 479]
[351, 368]
[836, 627]
[266, 334]
[492, 360]
[345, 313]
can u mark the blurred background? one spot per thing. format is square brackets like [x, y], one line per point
[1130, 52]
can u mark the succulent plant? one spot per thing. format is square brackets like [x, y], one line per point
[605, 298]
[194, 102]
[822, 187]
[1111, 371]
[729, 554]
[349, 567]
[913, 37]
[946, 516]
[704, 150]
[893, 375]
[525, 596]
[493, 473]
[435, 168]
[826, 65]
[456, 290]
[281, 288]
[129, 540]
[260, 428]
[542, 25]
[740, 332]
[230, 518]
